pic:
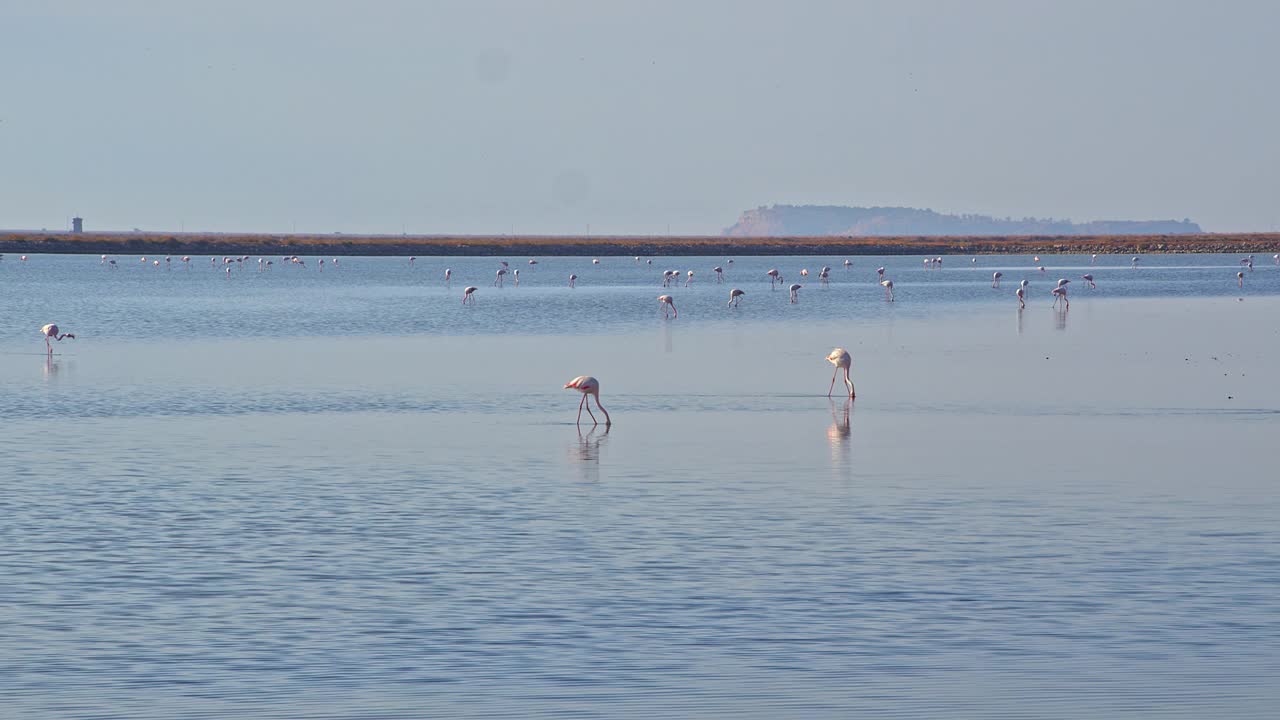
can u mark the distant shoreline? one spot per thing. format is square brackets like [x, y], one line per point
[115, 243]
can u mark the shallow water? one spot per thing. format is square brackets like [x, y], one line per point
[1024, 514]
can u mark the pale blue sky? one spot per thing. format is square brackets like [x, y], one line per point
[478, 117]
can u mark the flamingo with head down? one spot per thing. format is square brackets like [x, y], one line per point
[589, 387]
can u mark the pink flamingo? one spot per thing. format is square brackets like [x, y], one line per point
[735, 296]
[535, 262]
[448, 275]
[1088, 277]
[1093, 259]
[1021, 298]
[516, 274]
[667, 302]
[842, 360]
[825, 276]
[588, 386]
[103, 261]
[719, 271]
[880, 275]
[51, 331]
[689, 280]
[499, 276]
[1240, 279]
[995, 278]
[468, 295]
[847, 264]
[804, 272]
[412, 260]
[888, 289]
[573, 280]
[774, 278]
[1060, 294]
[795, 293]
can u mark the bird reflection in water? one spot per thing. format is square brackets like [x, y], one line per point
[1020, 321]
[50, 368]
[666, 337]
[840, 435]
[1060, 318]
[585, 454]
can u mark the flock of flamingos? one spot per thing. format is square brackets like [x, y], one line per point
[590, 386]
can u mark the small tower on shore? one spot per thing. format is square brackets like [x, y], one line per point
[77, 225]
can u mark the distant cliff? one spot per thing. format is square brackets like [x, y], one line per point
[836, 220]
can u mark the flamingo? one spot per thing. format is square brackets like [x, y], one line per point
[503, 263]
[1022, 303]
[533, 262]
[499, 276]
[186, 261]
[841, 359]
[516, 274]
[1024, 285]
[1041, 268]
[686, 282]
[880, 275]
[719, 271]
[51, 331]
[774, 277]
[1062, 282]
[1240, 278]
[995, 278]
[795, 293]
[573, 280]
[468, 295]
[1276, 257]
[888, 289]
[321, 264]
[973, 261]
[667, 302]
[588, 386]
[1134, 263]
[729, 261]
[735, 296]
[112, 264]
[155, 263]
[804, 272]
[1060, 293]
[1093, 259]
[412, 260]
[448, 275]
[847, 264]
[103, 261]
[595, 261]
[824, 275]
[168, 260]
[23, 258]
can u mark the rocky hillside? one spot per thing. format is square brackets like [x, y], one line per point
[836, 220]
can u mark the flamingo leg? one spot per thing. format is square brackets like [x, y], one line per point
[588, 406]
[848, 382]
[832, 388]
[584, 402]
[607, 420]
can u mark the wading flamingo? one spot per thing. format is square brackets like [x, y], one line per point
[1088, 277]
[879, 274]
[1022, 303]
[448, 275]
[588, 386]
[842, 360]
[667, 302]
[1240, 279]
[51, 331]
[689, 280]
[774, 278]
[573, 280]
[735, 296]
[888, 289]
[719, 271]
[795, 293]
[1060, 294]
[468, 295]
[995, 278]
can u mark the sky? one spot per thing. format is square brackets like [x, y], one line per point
[488, 117]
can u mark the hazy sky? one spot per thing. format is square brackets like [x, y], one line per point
[479, 117]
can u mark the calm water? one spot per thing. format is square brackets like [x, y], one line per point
[344, 495]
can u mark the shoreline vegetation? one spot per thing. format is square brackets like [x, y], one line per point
[114, 243]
